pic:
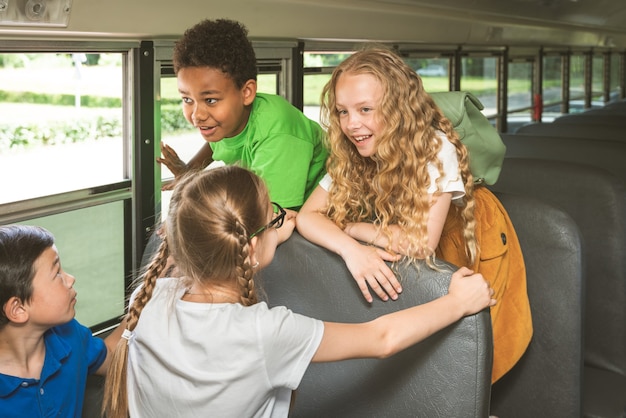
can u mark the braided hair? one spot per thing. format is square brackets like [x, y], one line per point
[207, 232]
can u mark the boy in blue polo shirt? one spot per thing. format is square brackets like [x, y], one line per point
[45, 354]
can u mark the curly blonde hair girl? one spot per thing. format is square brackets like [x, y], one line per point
[211, 217]
[391, 187]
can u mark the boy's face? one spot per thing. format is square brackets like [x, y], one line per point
[213, 103]
[54, 298]
[358, 98]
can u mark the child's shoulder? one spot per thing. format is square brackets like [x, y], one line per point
[71, 328]
[263, 101]
[77, 336]
[271, 110]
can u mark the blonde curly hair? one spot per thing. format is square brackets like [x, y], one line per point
[391, 187]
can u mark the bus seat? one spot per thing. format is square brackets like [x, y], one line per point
[548, 378]
[574, 130]
[92, 403]
[595, 199]
[447, 375]
[620, 104]
[609, 155]
[602, 111]
[609, 119]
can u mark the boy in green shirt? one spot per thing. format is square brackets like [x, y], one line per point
[262, 132]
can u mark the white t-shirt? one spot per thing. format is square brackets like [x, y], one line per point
[451, 181]
[190, 359]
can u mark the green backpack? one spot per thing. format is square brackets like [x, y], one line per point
[485, 147]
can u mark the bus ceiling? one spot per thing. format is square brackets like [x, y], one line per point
[577, 23]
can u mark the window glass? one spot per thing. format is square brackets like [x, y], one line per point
[61, 125]
[267, 83]
[318, 67]
[519, 98]
[597, 81]
[80, 236]
[434, 72]
[313, 85]
[576, 82]
[479, 76]
[614, 74]
[552, 82]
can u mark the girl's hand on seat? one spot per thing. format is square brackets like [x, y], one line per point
[367, 266]
[471, 290]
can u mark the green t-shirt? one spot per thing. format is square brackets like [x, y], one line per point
[282, 146]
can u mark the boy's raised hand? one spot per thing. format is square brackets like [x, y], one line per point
[471, 291]
[171, 160]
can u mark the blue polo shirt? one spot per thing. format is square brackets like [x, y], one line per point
[71, 354]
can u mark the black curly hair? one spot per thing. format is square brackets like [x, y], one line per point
[221, 44]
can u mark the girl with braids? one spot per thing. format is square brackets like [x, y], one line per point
[398, 184]
[203, 345]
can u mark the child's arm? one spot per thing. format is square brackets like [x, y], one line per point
[367, 232]
[366, 263]
[111, 342]
[468, 293]
[289, 224]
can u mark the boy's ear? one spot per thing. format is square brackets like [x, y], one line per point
[15, 310]
[249, 92]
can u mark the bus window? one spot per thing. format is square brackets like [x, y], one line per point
[318, 67]
[478, 76]
[614, 81]
[313, 85]
[597, 81]
[434, 72]
[91, 246]
[61, 126]
[577, 83]
[65, 164]
[267, 83]
[552, 84]
[519, 97]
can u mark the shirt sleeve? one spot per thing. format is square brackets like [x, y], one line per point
[289, 343]
[93, 348]
[451, 181]
[326, 182]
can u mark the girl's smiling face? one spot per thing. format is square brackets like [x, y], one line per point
[358, 99]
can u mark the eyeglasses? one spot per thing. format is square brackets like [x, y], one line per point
[277, 222]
